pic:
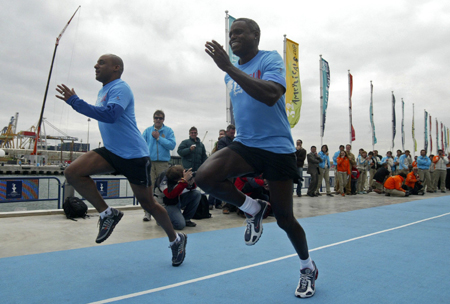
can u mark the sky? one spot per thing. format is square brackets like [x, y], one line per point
[401, 46]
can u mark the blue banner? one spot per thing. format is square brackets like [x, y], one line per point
[325, 77]
[393, 120]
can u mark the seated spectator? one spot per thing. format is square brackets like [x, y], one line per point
[354, 178]
[180, 194]
[413, 184]
[256, 188]
[253, 187]
[393, 185]
[379, 178]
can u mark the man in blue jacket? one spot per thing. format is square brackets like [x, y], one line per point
[423, 163]
[160, 140]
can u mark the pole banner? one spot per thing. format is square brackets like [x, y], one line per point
[413, 132]
[374, 138]
[393, 120]
[403, 125]
[350, 88]
[325, 77]
[234, 59]
[293, 86]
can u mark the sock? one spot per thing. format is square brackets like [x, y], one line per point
[106, 212]
[250, 206]
[176, 240]
[306, 264]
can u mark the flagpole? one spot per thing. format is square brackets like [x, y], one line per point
[393, 123]
[321, 101]
[350, 107]
[413, 134]
[403, 125]
[284, 49]
[437, 136]
[48, 83]
[227, 41]
[371, 116]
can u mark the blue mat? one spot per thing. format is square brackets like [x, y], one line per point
[389, 254]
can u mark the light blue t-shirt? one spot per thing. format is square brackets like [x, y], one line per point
[257, 124]
[121, 137]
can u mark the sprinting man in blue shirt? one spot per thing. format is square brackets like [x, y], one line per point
[124, 152]
[263, 143]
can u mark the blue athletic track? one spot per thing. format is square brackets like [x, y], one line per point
[391, 254]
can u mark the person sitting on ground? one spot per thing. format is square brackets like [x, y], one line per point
[253, 187]
[354, 179]
[180, 194]
[343, 171]
[413, 184]
[256, 188]
[379, 178]
[393, 185]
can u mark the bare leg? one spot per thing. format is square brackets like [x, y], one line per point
[145, 197]
[282, 206]
[78, 175]
[213, 176]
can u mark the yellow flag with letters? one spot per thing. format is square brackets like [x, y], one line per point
[293, 88]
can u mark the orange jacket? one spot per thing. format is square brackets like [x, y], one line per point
[394, 182]
[343, 165]
[411, 179]
[414, 164]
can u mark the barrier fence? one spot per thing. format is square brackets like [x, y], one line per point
[50, 189]
[36, 189]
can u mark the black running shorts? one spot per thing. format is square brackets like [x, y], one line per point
[136, 170]
[273, 166]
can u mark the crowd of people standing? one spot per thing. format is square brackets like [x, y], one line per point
[369, 171]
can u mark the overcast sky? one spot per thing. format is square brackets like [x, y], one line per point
[402, 46]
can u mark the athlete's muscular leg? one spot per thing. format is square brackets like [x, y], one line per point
[213, 176]
[145, 197]
[282, 202]
[78, 175]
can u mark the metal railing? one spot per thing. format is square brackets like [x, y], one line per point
[109, 188]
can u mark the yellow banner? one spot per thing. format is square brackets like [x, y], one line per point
[293, 87]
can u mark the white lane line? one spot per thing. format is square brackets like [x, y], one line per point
[137, 294]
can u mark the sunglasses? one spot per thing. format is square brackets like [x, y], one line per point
[158, 118]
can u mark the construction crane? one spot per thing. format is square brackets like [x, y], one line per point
[8, 133]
